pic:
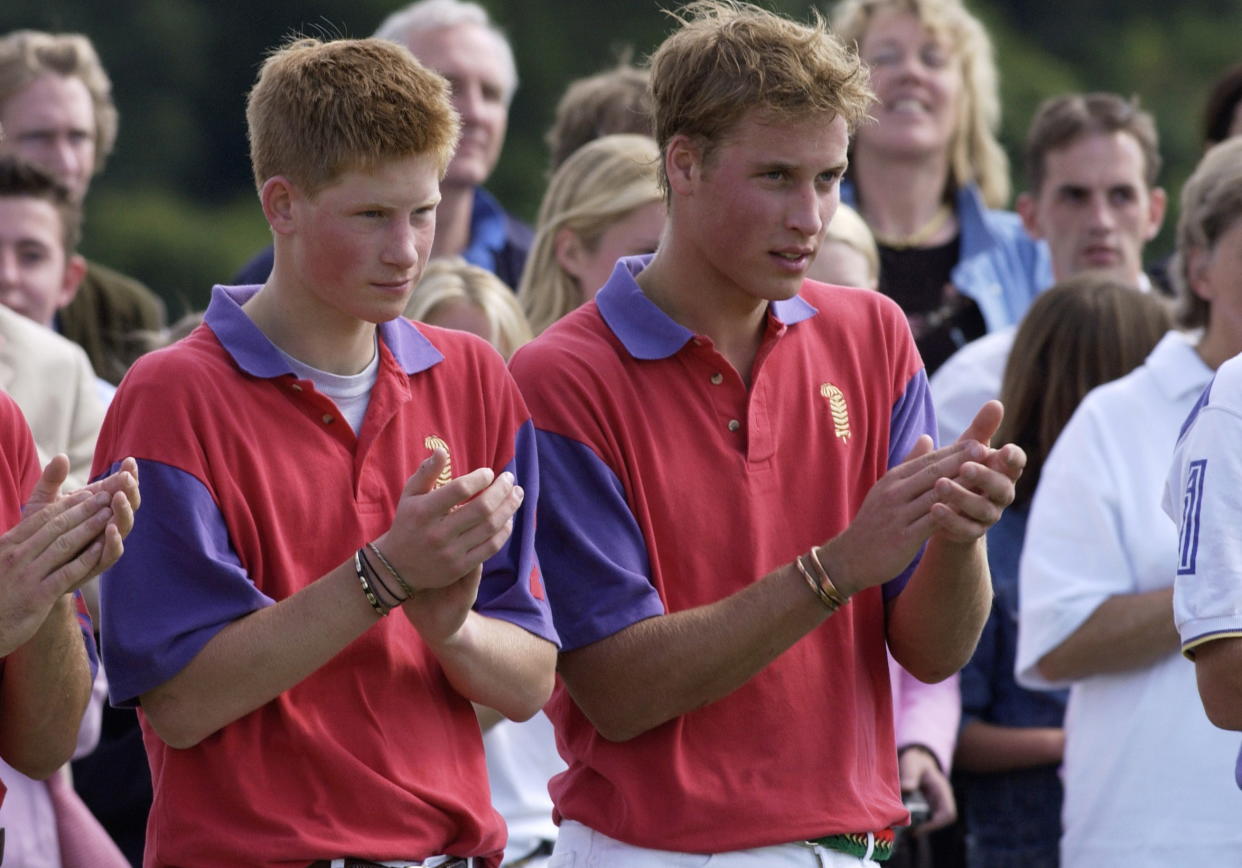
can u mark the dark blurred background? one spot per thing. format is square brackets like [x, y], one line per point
[176, 208]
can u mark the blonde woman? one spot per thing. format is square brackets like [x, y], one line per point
[603, 203]
[928, 174]
[456, 295]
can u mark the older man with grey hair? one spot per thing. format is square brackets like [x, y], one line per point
[459, 40]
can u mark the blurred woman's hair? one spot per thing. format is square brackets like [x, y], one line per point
[975, 155]
[1211, 204]
[1081, 333]
[455, 280]
[849, 228]
[601, 183]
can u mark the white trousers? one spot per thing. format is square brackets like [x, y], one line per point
[578, 846]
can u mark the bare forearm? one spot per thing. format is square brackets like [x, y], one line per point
[1126, 631]
[45, 689]
[256, 658]
[663, 667]
[499, 665]
[987, 747]
[934, 624]
[1218, 667]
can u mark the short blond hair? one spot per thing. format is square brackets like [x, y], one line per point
[320, 109]
[26, 55]
[728, 58]
[601, 183]
[1211, 204]
[454, 279]
[975, 155]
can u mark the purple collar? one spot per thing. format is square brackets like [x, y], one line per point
[259, 357]
[648, 332]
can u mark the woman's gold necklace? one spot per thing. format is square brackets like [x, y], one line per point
[920, 235]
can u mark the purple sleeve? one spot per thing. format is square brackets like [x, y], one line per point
[592, 550]
[512, 587]
[88, 633]
[913, 416]
[178, 584]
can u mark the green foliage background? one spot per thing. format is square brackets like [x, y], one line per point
[176, 207]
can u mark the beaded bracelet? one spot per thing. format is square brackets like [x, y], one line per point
[379, 607]
[409, 592]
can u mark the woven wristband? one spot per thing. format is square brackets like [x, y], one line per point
[401, 582]
[378, 583]
[379, 607]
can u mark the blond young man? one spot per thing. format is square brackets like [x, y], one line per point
[314, 466]
[739, 481]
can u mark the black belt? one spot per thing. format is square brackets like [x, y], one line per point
[363, 863]
[544, 849]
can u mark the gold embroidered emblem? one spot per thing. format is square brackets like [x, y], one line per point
[840, 413]
[432, 442]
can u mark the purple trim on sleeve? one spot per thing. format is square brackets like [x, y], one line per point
[913, 416]
[506, 590]
[88, 633]
[592, 550]
[179, 583]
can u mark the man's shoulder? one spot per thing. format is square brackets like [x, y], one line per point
[580, 339]
[122, 291]
[26, 345]
[192, 362]
[987, 354]
[1227, 386]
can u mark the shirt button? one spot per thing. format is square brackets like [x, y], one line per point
[717, 379]
[328, 418]
[296, 387]
[734, 424]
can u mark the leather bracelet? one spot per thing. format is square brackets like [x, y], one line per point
[401, 583]
[379, 607]
[379, 583]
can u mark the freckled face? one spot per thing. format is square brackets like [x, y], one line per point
[361, 244]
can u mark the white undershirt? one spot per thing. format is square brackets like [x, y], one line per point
[351, 393]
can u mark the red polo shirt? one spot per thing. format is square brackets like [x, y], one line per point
[667, 485]
[254, 487]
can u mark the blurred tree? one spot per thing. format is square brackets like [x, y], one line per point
[176, 206]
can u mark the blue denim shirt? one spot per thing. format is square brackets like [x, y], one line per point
[1001, 268]
[1012, 818]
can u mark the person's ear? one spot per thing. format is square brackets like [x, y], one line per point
[1027, 208]
[75, 270]
[278, 196]
[568, 249]
[1197, 261]
[683, 163]
[1156, 205]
